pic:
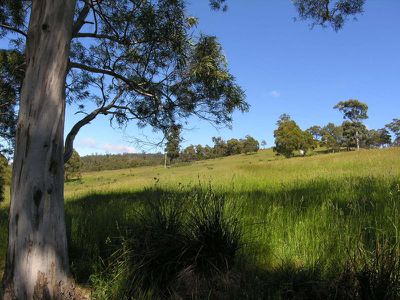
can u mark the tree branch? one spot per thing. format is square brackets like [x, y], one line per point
[80, 21]
[69, 141]
[8, 27]
[129, 82]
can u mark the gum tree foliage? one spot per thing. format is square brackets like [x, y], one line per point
[354, 135]
[135, 60]
[308, 142]
[316, 132]
[378, 138]
[172, 147]
[249, 144]
[394, 127]
[328, 12]
[188, 154]
[72, 168]
[332, 137]
[233, 147]
[11, 74]
[354, 111]
[264, 143]
[288, 136]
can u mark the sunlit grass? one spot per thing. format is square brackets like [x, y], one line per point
[308, 213]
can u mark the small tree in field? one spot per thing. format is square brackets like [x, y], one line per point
[288, 136]
[250, 144]
[72, 168]
[172, 147]
[263, 144]
[354, 111]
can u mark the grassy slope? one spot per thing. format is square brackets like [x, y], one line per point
[308, 211]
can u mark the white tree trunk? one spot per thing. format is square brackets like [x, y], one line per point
[37, 259]
[358, 141]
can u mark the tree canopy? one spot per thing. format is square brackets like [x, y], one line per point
[353, 110]
[11, 75]
[289, 137]
[394, 127]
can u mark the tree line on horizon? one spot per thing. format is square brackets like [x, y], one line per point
[351, 134]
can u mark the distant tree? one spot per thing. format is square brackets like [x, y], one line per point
[384, 137]
[378, 138]
[200, 152]
[220, 148]
[394, 127]
[354, 111]
[208, 152]
[233, 147]
[189, 153]
[250, 144]
[316, 132]
[332, 137]
[172, 147]
[308, 142]
[288, 136]
[354, 135]
[72, 168]
[263, 143]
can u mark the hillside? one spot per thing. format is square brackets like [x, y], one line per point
[260, 169]
[300, 217]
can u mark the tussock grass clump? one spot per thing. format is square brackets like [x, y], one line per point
[371, 274]
[176, 247]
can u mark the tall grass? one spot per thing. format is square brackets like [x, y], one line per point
[301, 223]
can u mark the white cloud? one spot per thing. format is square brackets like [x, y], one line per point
[118, 148]
[275, 94]
[88, 143]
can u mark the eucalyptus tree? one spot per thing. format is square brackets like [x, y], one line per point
[11, 74]
[172, 147]
[146, 67]
[394, 127]
[332, 137]
[354, 111]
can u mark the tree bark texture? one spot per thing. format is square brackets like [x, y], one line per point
[37, 264]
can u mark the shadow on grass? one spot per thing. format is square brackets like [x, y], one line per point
[96, 223]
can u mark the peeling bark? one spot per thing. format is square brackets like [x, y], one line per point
[37, 260]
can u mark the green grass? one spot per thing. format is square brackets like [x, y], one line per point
[301, 218]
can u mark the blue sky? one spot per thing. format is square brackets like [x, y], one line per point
[285, 67]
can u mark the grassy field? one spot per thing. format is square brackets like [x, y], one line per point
[303, 220]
